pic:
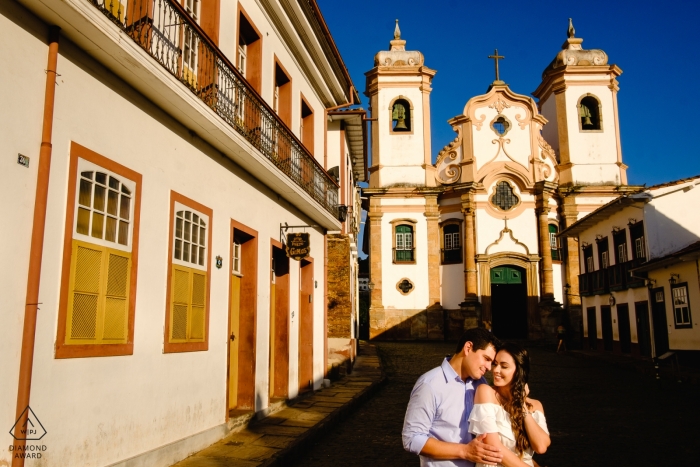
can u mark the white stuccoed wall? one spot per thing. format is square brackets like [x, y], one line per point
[401, 155]
[105, 409]
[393, 273]
[670, 224]
[22, 98]
[486, 147]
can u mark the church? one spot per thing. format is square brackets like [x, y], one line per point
[472, 239]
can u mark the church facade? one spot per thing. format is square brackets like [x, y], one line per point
[472, 239]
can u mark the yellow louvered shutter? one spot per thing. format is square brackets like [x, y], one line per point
[116, 310]
[188, 305]
[98, 304]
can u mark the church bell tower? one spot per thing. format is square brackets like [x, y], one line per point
[398, 88]
[578, 95]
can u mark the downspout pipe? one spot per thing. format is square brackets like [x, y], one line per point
[36, 250]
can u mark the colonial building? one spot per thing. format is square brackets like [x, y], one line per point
[157, 154]
[472, 238]
[639, 271]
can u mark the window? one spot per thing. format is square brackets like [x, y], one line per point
[242, 55]
[236, 262]
[500, 125]
[637, 235]
[191, 44]
[188, 287]
[451, 250]
[553, 241]
[681, 306]
[401, 116]
[603, 258]
[588, 255]
[282, 94]
[504, 196]
[306, 130]
[589, 113]
[96, 312]
[249, 53]
[620, 240]
[403, 244]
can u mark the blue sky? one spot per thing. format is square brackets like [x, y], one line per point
[654, 42]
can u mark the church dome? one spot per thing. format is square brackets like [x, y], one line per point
[572, 54]
[398, 55]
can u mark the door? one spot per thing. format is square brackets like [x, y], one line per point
[242, 318]
[306, 326]
[641, 311]
[658, 313]
[623, 326]
[509, 302]
[606, 324]
[279, 324]
[592, 328]
[233, 341]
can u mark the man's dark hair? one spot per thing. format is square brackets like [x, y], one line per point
[480, 339]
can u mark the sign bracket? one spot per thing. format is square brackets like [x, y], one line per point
[284, 227]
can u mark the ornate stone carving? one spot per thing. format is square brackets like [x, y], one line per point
[398, 55]
[573, 54]
[499, 105]
[449, 159]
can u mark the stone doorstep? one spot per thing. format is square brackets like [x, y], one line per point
[290, 426]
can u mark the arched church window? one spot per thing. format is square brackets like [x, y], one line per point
[403, 244]
[504, 196]
[451, 245]
[500, 125]
[589, 113]
[401, 116]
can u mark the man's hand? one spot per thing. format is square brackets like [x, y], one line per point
[478, 451]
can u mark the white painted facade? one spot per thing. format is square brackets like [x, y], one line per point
[115, 100]
[662, 215]
[516, 174]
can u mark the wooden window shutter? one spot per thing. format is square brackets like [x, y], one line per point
[98, 304]
[188, 305]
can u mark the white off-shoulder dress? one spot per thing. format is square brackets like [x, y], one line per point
[492, 418]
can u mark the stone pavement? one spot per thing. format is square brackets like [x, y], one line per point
[599, 413]
[278, 438]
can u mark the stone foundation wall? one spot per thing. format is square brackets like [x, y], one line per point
[339, 303]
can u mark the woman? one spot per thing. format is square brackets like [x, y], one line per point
[510, 420]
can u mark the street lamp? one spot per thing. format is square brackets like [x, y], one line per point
[370, 285]
[674, 278]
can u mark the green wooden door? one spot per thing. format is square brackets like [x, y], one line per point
[506, 275]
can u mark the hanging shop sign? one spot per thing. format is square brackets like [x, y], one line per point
[298, 245]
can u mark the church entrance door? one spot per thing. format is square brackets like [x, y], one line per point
[509, 302]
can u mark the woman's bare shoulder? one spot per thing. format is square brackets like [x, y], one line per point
[484, 394]
[536, 405]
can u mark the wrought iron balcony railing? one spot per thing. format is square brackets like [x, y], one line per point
[169, 34]
[451, 256]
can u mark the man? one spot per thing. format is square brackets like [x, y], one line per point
[437, 417]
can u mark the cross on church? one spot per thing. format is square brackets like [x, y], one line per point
[495, 57]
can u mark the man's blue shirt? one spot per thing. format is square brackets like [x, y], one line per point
[439, 408]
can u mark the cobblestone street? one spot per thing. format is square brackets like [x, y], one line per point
[598, 414]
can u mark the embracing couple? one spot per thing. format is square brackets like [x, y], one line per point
[454, 418]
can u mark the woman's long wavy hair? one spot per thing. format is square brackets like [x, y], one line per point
[515, 406]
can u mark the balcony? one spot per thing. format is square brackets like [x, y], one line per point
[172, 38]
[617, 276]
[585, 283]
[614, 278]
[599, 282]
